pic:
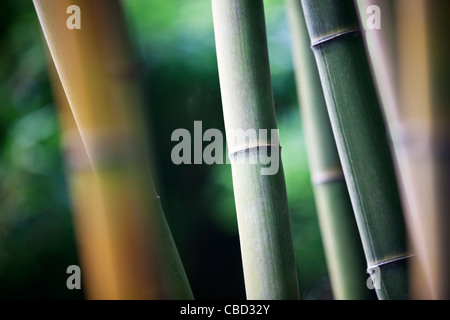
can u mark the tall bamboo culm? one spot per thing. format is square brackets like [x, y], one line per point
[362, 142]
[261, 200]
[410, 63]
[343, 249]
[127, 250]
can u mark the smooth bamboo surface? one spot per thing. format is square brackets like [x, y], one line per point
[362, 141]
[261, 200]
[342, 244]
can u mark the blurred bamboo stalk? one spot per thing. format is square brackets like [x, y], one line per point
[92, 235]
[126, 246]
[360, 134]
[343, 249]
[413, 86]
[438, 28]
[261, 200]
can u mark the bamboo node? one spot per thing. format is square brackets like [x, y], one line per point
[327, 177]
[327, 38]
[245, 149]
[388, 261]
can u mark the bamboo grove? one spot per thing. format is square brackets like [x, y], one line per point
[371, 77]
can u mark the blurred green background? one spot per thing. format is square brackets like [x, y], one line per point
[174, 41]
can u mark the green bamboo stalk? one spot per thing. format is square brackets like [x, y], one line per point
[261, 200]
[122, 221]
[344, 253]
[362, 142]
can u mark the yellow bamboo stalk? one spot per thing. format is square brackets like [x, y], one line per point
[383, 48]
[410, 63]
[92, 234]
[116, 212]
[413, 130]
[424, 72]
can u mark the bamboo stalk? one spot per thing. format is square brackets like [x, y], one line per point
[418, 69]
[438, 28]
[360, 134]
[261, 200]
[84, 193]
[122, 230]
[382, 49]
[343, 249]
